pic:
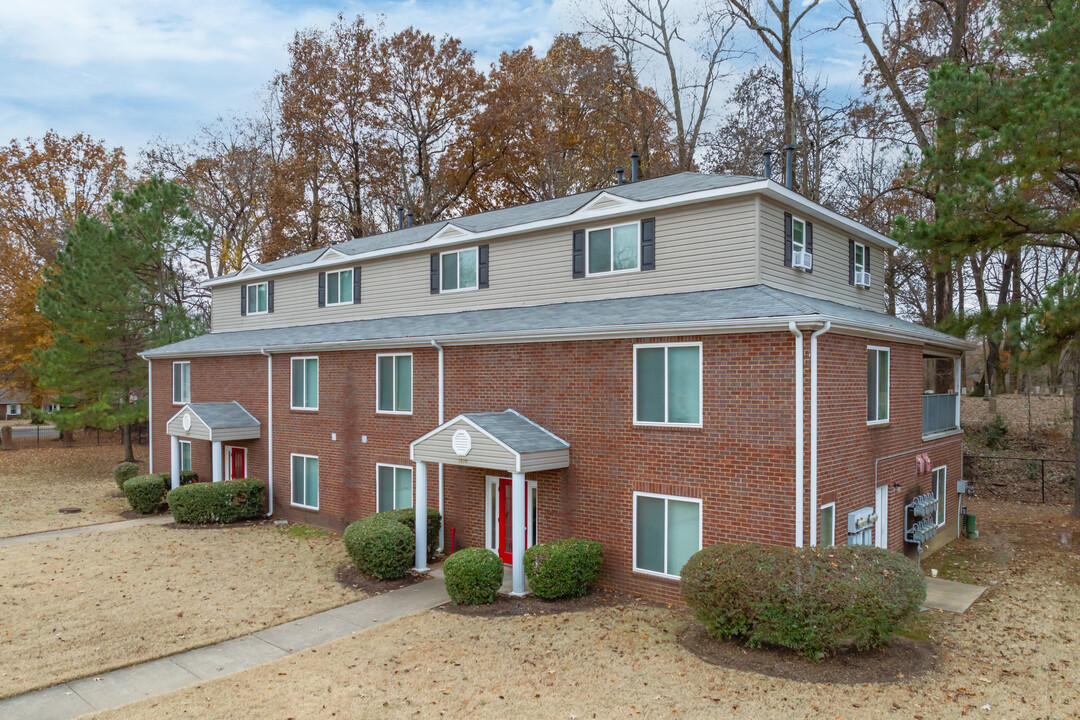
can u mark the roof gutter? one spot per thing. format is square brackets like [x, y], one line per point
[799, 459]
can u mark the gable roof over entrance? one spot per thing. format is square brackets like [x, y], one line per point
[214, 421]
[506, 441]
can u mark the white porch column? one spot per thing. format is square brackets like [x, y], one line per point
[421, 517]
[216, 460]
[958, 377]
[174, 460]
[517, 505]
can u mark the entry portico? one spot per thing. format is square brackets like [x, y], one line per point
[215, 422]
[506, 441]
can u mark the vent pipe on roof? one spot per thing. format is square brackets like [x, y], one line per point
[767, 154]
[634, 166]
[619, 176]
[408, 220]
[400, 217]
[789, 165]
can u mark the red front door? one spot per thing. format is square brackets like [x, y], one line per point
[238, 462]
[506, 521]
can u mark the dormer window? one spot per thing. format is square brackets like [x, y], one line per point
[613, 249]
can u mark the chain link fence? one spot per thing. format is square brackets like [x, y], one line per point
[1021, 479]
[14, 437]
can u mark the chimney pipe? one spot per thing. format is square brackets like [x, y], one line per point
[634, 167]
[408, 220]
[619, 176]
[789, 165]
[767, 154]
[400, 217]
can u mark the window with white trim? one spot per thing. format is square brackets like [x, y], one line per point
[798, 235]
[877, 385]
[181, 388]
[613, 249]
[393, 386]
[339, 287]
[14, 409]
[458, 270]
[860, 260]
[185, 455]
[257, 298]
[305, 481]
[393, 487]
[305, 383]
[667, 384]
[667, 531]
[940, 493]
[827, 525]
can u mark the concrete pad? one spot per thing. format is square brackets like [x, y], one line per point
[59, 702]
[138, 682]
[307, 632]
[393, 605]
[950, 596]
[228, 657]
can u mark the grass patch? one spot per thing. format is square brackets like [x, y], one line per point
[302, 531]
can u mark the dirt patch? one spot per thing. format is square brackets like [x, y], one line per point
[507, 606]
[903, 660]
[348, 576]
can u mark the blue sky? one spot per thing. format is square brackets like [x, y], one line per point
[127, 71]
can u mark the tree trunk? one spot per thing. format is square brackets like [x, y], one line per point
[129, 452]
[1076, 429]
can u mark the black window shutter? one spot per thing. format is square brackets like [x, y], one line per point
[851, 262]
[787, 239]
[579, 253]
[356, 285]
[243, 300]
[482, 266]
[434, 273]
[648, 244]
[269, 296]
[809, 230]
[322, 289]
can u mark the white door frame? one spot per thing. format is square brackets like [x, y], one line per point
[491, 489]
[228, 460]
[881, 507]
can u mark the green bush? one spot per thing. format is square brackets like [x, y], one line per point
[124, 472]
[994, 432]
[383, 545]
[814, 600]
[222, 502]
[563, 568]
[407, 517]
[473, 576]
[145, 493]
[186, 477]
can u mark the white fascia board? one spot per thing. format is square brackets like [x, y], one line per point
[470, 423]
[450, 231]
[766, 187]
[330, 255]
[245, 271]
[604, 197]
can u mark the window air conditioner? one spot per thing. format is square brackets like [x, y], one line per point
[802, 260]
[862, 279]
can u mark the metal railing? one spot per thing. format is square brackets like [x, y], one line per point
[939, 412]
[25, 436]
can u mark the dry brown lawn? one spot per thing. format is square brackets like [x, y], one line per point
[1047, 411]
[81, 605]
[35, 483]
[1014, 651]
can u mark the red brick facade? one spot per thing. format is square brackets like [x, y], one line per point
[741, 463]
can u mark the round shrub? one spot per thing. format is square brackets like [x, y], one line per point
[381, 546]
[124, 472]
[563, 568]
[145, 493]
[220, 502]
[473, 576]
[814, 600]
[407, 517]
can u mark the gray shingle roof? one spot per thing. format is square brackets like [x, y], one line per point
[516, 431]
[744, 303]
[223, 415]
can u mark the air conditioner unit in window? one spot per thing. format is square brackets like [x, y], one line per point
[802, 260]
[862, 279]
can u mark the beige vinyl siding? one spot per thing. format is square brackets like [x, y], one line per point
[545, 460]
[830, 277]
[698, 247]
[485, 452]
[198, 430]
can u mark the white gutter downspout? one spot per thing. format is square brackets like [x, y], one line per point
[813, 431]
[150, 422]
[442, 522]
[269, 429]
[799, 460]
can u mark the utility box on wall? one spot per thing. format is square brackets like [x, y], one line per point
[860, 526]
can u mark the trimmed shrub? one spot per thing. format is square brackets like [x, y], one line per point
[186, 477]
[813, 600]
[222, 502]
[380, 546]
[563, 568]
[146, 493]
[473, 576]
[407, 517]
[124, 472]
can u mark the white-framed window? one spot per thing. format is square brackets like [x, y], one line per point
[613, 249]
[305, 383]
[14, 409]
[257, 298]
[940, 495]
[667, 384]
[305, 481]
[667, 531]
[458, 270]
[185, 455]
[827, 525]
[393, 383]
[860, 261]
[798, 235]
[877, 385]
[181, 383]
[339, 286]
[393, 485]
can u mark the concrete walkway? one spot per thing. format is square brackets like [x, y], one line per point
[157, 677]
[84, 530]
[950, 596]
